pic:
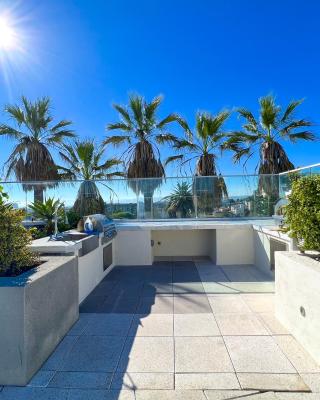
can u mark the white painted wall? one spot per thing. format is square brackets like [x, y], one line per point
[91, 271]
[297, 285]
[235, 246]
[170, 243]
[133, 247]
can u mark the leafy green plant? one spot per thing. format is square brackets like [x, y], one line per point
[3, 196]
[15, 256]
[302, 214]
[122, 215]
[180, 201]
[46, 211]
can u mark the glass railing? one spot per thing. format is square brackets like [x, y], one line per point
[157, 198]
[286, 178]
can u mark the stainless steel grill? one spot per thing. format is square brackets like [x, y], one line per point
[103, 224]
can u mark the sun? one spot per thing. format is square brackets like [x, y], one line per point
[8, 36]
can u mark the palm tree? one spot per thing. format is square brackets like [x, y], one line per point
[202, 144]
[180, 201]
[265, 133]
[34, 132]
[143, 132]
[84, 161]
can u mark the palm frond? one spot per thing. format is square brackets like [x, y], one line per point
[151, 108]
[167, 120]
[173, 159]
[6, 130]
[119, 126]
[163, 138]
[303, 135]
[124, 113]
[116, 140]
[287, 115]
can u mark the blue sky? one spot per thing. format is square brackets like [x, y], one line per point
[201, 55]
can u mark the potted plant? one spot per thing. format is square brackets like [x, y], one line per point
[38, 297]
[298, 273]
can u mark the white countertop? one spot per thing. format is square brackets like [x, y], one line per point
[47, 245]
[192, 224]
[267, 230]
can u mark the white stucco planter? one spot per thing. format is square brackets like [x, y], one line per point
[37, 309]
[297, 298]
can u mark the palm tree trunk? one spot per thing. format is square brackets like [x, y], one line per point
[38, 195]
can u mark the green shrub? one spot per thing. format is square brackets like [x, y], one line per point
[122, 215]
[302, 214]
[15, 257]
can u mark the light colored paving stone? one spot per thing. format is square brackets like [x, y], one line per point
[81, 324]
[257, 354]
[41, 379]
[147, 354]
[170, 395]
[137, 381]
[253, 287]
[228, 304]
[204, 354]
[313, 381]
[191, 304]
[56, 359]
[240, 324]
[297, 396]
[78, 380]
[272, 324]
[228, 394]
[300, 359]
[156, 305]
[274, 382]
[195, 325]
[259, 303]
[222, 380]
[94, 354]
[108, 325]
[263, 396]
[187, 287]
[89, 394]
[215, 288]
[152, 325]
[33, 393]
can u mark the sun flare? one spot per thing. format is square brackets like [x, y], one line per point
[8, 36]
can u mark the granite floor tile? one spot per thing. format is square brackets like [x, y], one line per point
[272, 324]
[41, 378]
[240, 324]
[92, 304]
[191, 304]
[313, 381]
[33, 393]
[253, 287]
[155, 288]
[152, 325]
[89, 394]
[297, 396]
[218, 381]
[80, 325]
[216, 288]
[203, 354]
[187, 287]
[78, 380]
[55, 361]
[228, 394]
[121, 305]
[94, 354]
[195, 325]
[138, 381]
[155, 305]
[258, 354]
[228, 304]
[300, 359]
[147, 354]
[108, 325]
[259, 303]
[274, 382]
[170, 395]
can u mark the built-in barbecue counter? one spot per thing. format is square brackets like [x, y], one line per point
[94, 254]
[225, 241]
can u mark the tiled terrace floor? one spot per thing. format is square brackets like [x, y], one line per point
[177, 331]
